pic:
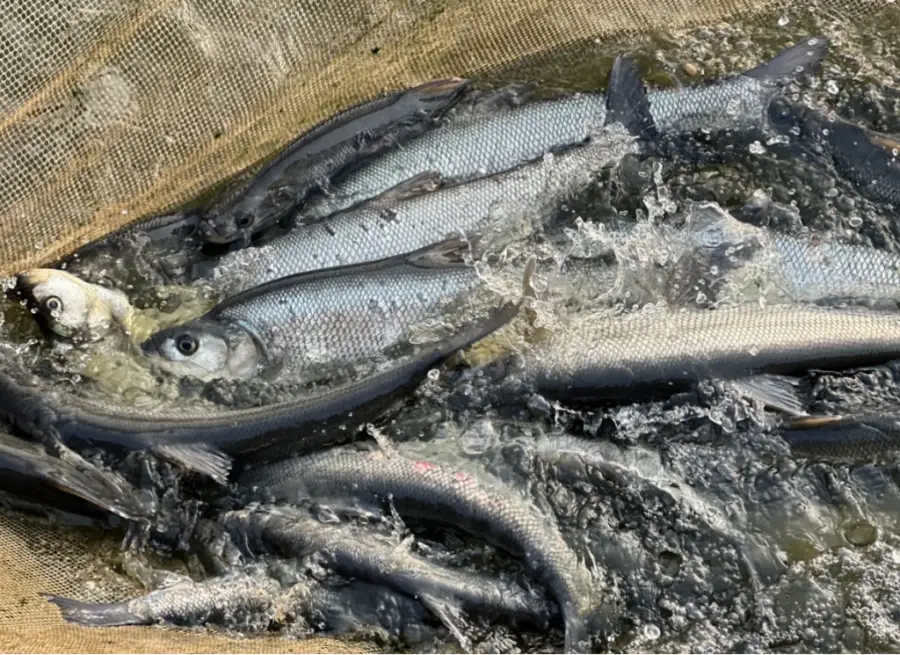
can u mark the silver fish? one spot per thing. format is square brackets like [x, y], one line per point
[423, 489]
[306, 326]
[377, 558]
[324, 152]
[485, 145]
[597, 357]
[237, 601]
[495, 209]
[71, 307]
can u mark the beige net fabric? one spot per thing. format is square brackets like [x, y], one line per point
[113, 110]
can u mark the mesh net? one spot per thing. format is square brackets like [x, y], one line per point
[115, 110]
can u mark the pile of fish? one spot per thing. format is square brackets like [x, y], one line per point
[263, 381]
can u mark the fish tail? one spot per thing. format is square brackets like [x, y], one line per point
[440, 93]
[95, 614]
[804, 58]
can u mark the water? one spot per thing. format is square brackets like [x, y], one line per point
[707, 532]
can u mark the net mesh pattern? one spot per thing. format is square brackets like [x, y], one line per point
[113, 110]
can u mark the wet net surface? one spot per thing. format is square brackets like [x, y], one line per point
[118, 110]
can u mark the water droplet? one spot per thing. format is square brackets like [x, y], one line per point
[783, 22]
[754, 351]
[756, 148]
[831, 86]
[651, 632]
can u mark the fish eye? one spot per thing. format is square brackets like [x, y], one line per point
[53, 304]
[244, 221]
[187, 344]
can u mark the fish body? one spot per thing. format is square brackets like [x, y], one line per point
[238, 601]
[666, 351]
[29, 470]
[368, 556]
[326, 151]
[866, 159]
[200, 437]
[485, 145]
[507, 204]
[848, 439]
[310, 326]
[422, 489]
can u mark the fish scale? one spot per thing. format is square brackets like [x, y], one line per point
[417, 488]
[510, 202]
[485, 145]
[342, 320]
[596, 357]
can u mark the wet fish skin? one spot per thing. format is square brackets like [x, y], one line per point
[425, 490]
[310, 326]
[509, 202]
[846, 439]
[485, 145]
[866, 159]
[326, 151]
[360, 608]
[237, 601]
[367, 556]
[598, 358]
[28, 469]
[71, 307]
[199, 438]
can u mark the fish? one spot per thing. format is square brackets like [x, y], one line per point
[423, 489]
[72, 308]
[202, 438]
[490, 210]
[659, 353]
[323, 153]
[853, 439]
[485, 145]
[30, 470]
[236, 601]
[377, 559]
[758, 263]
[311, 325]
[865, 158]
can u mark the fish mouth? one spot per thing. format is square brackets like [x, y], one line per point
[27, 281]
[151, 347]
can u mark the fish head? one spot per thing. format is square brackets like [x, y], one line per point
[206, 349]
[229, 227]
[65, 304]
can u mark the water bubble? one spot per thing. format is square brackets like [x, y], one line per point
[756, 148]
[434, 374]
[783, 21]
[651, 632]
[855, 221]
[831, 86]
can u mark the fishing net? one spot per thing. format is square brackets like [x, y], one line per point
[115, 110]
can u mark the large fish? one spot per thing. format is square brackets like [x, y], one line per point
[326, 151]
[492, 143]
[375, 558]
[422, 489]
[598, 357]
[198, 437]
[312, 326]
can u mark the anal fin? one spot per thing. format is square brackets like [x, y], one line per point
[449, 614]
[776, 391]
[199, 458]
